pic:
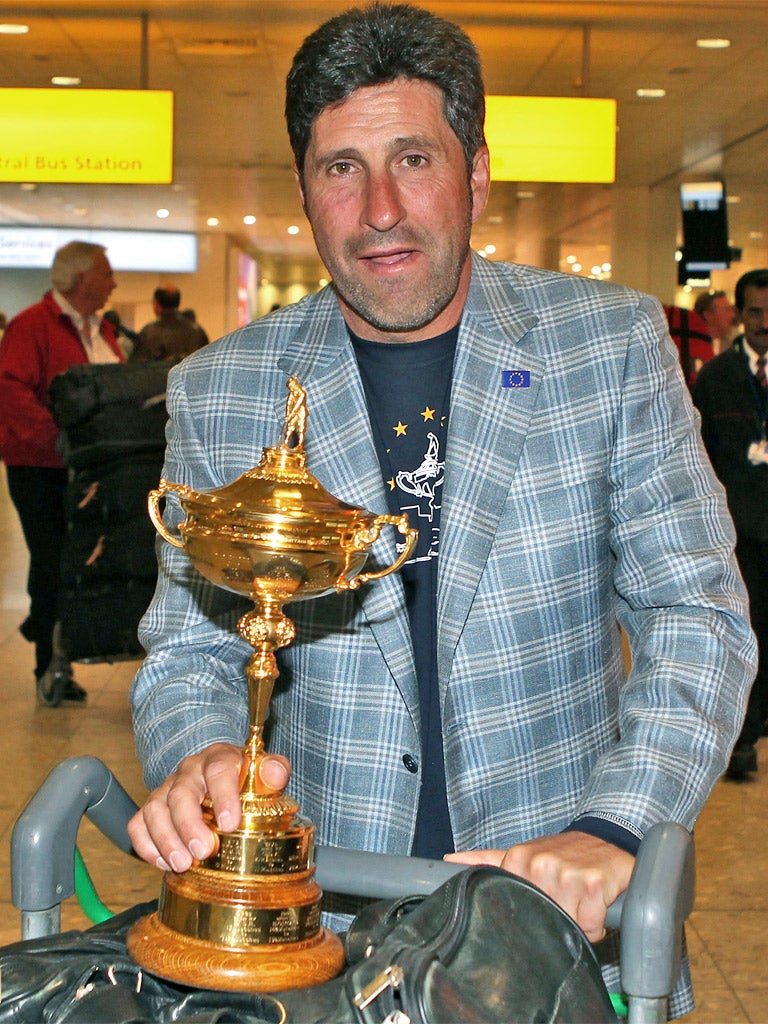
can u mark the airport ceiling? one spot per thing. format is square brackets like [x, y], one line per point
[226, 62]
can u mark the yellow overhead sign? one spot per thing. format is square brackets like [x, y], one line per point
[551, 138]
[114, 136]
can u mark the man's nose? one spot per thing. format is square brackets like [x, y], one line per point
[383, 203]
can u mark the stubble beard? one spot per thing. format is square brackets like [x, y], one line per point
[401, 306]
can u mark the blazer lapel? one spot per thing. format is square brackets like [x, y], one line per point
[340, 453]
[488, 426]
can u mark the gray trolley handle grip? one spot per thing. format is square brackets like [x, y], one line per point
[387, 876]
[662, 864]
[45, 835]
[656, 905]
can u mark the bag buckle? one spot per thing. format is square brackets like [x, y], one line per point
[390, 977]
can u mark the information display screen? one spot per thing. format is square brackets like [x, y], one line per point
[705, 226]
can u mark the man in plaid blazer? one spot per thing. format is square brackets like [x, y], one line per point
[573, 495]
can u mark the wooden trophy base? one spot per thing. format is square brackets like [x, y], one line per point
[247, 919]
[201, 964]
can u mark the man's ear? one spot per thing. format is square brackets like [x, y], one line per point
[300, 186]
[480, 181]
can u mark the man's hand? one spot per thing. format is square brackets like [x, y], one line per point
[581, 873]
[169, 830]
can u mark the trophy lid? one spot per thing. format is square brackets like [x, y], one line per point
[280, 487]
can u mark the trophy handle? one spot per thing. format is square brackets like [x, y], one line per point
[153, 506]
[367, 535]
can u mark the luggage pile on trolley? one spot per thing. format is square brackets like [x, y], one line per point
[112, 419]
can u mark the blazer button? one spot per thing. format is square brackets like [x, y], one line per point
[410, 763]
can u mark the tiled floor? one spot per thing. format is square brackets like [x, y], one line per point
[727, 934]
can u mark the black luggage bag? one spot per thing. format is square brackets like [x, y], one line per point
[112, 419]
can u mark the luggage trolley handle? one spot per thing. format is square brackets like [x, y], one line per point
[651, 913]
[45, 837]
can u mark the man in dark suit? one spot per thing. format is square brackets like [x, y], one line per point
[731, 393]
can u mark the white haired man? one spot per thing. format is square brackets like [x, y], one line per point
[39, 343]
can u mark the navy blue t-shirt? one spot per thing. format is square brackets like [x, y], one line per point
[408, 391]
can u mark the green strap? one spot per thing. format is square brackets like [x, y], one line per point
[86, 893]
[619, 1001]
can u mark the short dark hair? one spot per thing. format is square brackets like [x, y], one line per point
[706, 300]
[167, 298]
[752, 279]
[378, 44]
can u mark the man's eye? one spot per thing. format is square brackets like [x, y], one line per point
[341, 167]
[414, 160]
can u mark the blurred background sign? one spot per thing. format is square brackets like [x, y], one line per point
[551, 138]
[113, 136]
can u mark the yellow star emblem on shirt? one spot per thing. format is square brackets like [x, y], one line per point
[401, 429]
[428, 414]
[391, 483]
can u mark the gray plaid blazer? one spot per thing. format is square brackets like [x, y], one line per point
[571, 504]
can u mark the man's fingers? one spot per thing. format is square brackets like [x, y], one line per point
[581, 873]
[578, 890]
[275, 771]
[142, 843]
[221, 781]
[492, 857]
[170, 830]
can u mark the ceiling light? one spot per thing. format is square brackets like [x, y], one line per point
[293, 229]
[525, 194]
[576, 268]
[163, 213]
[13, 30]
[249, 219]
[713, 44]
[65, 80]
[490, 249]
[28, 186]
[212, 222]
[651, 94]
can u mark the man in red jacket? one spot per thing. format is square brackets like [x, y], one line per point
[40, 343]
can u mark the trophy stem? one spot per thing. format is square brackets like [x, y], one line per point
[266, 629]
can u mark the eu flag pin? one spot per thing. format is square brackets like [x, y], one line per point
[515, 378]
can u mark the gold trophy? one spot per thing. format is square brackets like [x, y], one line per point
[247, 918]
